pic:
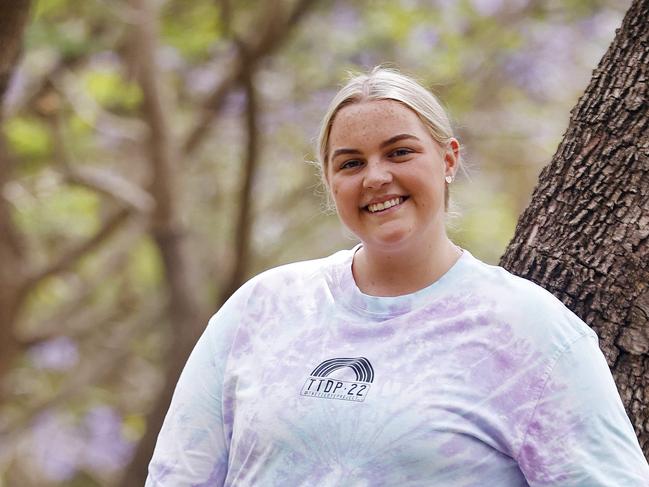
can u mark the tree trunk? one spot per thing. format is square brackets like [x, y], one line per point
[183, 307]
[12, 23]
[585, 235]
[13, 18]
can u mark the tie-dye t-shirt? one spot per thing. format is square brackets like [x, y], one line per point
[480, 379]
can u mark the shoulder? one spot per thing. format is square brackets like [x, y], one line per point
[298, 273]
[528, 306]
[277, 295]
[288, 281]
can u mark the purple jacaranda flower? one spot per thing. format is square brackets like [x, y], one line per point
[56, 446]
[599, 26]
[58, 354]
[542, 65]
[424, 36]
[61, 445]
[487, 7]
[345, 16]
[201, 80]
[105, 60]
[105, 448]
[445, 4]
[169, 59]
[366, 59]
[17, 88]
[235, 103]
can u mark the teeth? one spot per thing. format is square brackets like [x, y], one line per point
[384, 205]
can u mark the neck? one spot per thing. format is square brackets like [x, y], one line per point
[384, 273]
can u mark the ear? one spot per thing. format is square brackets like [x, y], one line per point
[452, 157]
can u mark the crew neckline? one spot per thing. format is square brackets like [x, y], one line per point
[348, 293]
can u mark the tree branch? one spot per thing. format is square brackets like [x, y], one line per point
[274, 32]
[12, 23]
[183, 307]
[13, 19]
[165, 227]
[65, 81]
[116, 351]
[103, 181]
[75, 318]
[244, 218]
[225, 17]
[110, 184]
[72, 256]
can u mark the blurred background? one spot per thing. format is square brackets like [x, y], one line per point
[161, 157]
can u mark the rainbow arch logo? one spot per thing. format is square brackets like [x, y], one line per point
[319, 383]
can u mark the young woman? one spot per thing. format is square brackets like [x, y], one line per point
[404, 361]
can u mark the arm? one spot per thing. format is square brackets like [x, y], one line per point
[192, 448]
[579, 434]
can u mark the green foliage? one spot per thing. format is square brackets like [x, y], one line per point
[191, 27]
[28, 137]
[145, 268]
[111, 90]
[70, 37]
[392, 21]
[134, 426]
[48, 296]
[48, 9]
[70, 212]
[84, 479]
[487, 222]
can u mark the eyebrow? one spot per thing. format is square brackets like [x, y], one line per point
[384, 144]
[397, 138]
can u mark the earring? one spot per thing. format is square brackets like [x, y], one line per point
[448, 179]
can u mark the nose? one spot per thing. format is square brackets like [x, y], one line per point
[377, 174]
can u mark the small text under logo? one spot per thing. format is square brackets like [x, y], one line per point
[320, 385]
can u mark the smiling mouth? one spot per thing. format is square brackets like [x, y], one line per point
[385, 205]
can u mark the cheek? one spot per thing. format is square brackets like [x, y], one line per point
[337, 188]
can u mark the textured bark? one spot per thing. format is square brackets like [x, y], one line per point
[585, 235]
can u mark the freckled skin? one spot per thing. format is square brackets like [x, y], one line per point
[418, 172]
[381, 151]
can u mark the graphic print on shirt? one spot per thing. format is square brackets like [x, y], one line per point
[319, 384]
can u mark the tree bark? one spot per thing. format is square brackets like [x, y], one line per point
[13, 19]
[585, 234]
[244, 217]
[184, 311]
[12, 23]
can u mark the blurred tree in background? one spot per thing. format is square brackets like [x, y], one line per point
[152, 158]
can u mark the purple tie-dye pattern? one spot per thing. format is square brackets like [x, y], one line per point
[470, 387]
[160, 472]
[216, 476]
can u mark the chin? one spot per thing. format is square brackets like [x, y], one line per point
[393, 241]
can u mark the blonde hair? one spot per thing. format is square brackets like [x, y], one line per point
[385, 84]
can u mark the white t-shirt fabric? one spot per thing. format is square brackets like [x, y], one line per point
[480, 379]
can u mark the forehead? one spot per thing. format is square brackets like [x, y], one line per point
[377, 119]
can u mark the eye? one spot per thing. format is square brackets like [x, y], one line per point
[350, 164]
[401, 152]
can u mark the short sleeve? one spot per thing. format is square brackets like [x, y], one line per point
[191, 448]
[579, 434]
